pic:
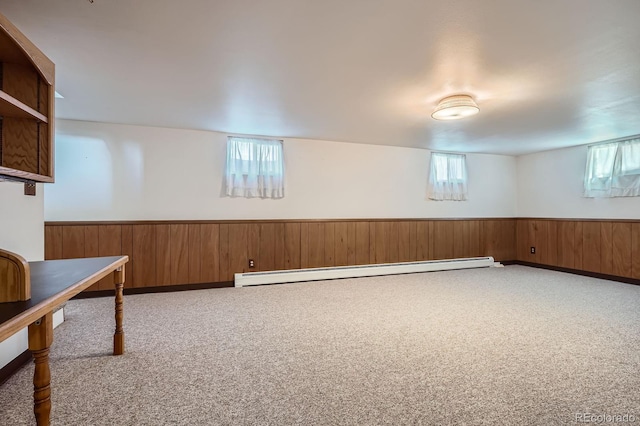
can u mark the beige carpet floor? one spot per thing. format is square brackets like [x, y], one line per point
[498, 346]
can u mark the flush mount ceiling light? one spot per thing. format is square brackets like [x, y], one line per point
[455, 107]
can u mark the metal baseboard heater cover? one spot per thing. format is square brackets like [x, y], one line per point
[315, 274]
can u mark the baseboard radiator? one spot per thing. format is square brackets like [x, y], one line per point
[315, 274]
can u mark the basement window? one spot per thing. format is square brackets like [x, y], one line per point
[448, 177]
[613, 169]
[254, 168]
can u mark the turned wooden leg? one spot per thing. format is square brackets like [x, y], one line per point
[40, 339]
[118, 337]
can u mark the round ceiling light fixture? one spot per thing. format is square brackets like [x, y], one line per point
[455, 107]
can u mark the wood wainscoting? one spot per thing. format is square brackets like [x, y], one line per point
[607, 247]
[170, 253]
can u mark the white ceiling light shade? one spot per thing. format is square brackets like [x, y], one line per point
[455, 107]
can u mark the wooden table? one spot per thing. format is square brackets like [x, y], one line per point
[53, 282]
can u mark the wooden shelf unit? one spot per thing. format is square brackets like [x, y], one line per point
[27, 97]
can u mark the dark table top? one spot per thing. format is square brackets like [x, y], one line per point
[56, 281]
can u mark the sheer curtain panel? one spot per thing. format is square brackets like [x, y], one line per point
[255, 168]
[448, 177]
[613, 169]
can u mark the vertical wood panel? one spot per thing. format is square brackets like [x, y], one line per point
[179, 254]
[304, 245]
[329, 244]
[267, 256]
[393, 251]
[466, 232]
[292, 245]
[431, 239]
[591, 246]
[210, 252]
[253, 247]
[533, 241]
[44, 146]
[542, 241]
[362, 243]
[443, 239]
[551, 257]
[566, 236]
[606, 247]
[195, 254]
[109, 244]
[522, 239]
[622, 249]
[225, 253]
[110, 237]
[278, 246]
[52, 242]
[422, 240]
[372, 242]
[144, 251]
[496, 233]
[459, 239]
[91, 241]
[351, 243]
[127, 249]
[163, 255]
[498, 239]
[635, 250]
[475, 249]
[92, 249]
[413, 241]
[509, 239]
[486, 238]
[578, 244]
[238, 241]
[341, 235]
[72, 242]
[404, 241]
[316, 244]
[381, 249]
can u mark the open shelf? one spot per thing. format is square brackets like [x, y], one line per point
[9, 174]
[27, 79]
[11, 107]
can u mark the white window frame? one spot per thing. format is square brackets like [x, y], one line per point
[254, 168]
[448, 178]
[613, 169]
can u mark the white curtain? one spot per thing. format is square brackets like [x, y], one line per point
[613, 170]
[255, 168]
[448, 177]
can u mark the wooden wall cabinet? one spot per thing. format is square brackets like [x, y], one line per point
[27, 96]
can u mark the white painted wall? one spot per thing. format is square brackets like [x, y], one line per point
[22, 232]
[123, 172]
[550, 185]
[22, 220]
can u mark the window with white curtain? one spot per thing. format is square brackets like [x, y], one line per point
[613, 169]
[448, 177]
[255, 168]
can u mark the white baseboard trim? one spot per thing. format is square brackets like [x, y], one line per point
[315, 274]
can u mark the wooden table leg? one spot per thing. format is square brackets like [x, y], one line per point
[40, 339]
[118, 337]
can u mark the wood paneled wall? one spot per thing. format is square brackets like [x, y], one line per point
[191, 252]
[609, 247]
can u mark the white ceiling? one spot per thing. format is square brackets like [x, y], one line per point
[546, 74]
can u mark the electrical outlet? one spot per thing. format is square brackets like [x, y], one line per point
[533, 250]
[252, 263]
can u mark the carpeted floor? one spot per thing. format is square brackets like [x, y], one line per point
[511, 345]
